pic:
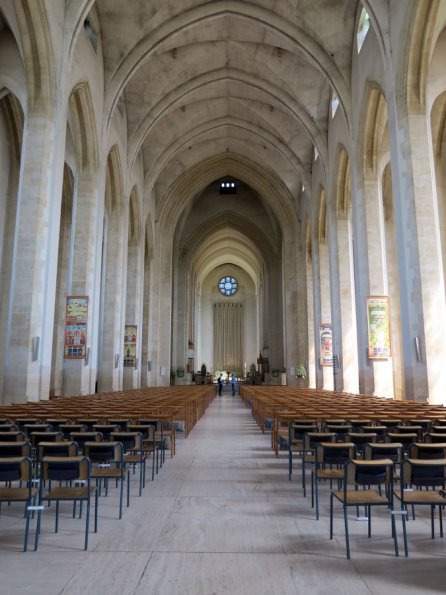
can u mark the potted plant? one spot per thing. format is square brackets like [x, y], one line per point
[301, 371]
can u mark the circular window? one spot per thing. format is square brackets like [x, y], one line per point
[227, 285]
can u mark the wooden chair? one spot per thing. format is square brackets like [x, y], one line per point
[75, 470]
[311, 440]
[417, 474]
[329, 465]
[359, 477]
[133, 452]
[107, 460]
[82, 437]
[296, 433]
[13, 470]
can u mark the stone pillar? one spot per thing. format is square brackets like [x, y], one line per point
[34, 267]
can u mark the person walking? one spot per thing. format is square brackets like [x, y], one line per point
[220, 384]
[233, 384]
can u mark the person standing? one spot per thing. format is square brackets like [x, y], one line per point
[233, 384]
[220, 384]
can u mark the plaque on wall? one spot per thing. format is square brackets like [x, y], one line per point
[76, 327]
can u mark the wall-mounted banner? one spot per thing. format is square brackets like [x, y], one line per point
[378, 325]
[76, 327]
[326, 351]
[130, 345]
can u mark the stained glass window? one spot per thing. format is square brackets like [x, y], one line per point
[228, 285]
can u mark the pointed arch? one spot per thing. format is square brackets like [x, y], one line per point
[113, 182]
[83, 125]
[375, 117]
[134, 217]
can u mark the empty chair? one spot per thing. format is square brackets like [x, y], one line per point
[105, 429]
[150, 446]
[360, 439]
[329, 464]
[421, 450]
[358, 424]
[296, 433]
[423, 422]
[37, 437]
[12, 437]
[434, 437]
[68, 429]
[20, 422]
[341, 431]
[380, 431]
[55, 470]
[107, 462]
[32, 428]
[55, 422]
[418, 430]
[16, 472]
[120, 423]
[56, 449]
[8, 427]
[368, 484]
[88, 422]
[311, 440]
[405, 439]
[15, 449]
[82, 437]
[382, 450]
[417, 476]
[390, 424]
[133, 452]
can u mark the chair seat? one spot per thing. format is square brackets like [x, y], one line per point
[9, 494]
[421, 497]
[330, 473]
[106, 472]
[360, 497]
[68, 493]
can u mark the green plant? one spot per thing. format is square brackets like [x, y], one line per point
[301, 371]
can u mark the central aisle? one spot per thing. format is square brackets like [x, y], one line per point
[221, 518]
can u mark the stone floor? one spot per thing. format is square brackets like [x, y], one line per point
[220, 518]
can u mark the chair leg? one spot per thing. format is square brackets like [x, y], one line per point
[57, 517]
[433, 521]
[87, 523]
[347, 541]
[440, 512]
[331, 516]
[290, 463]
[96, 502]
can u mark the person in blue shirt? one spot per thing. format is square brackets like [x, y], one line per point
[233, 384]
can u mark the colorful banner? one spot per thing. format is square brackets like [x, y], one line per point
[76, 327]
[378, 324]
[130, 345]
[326, 351]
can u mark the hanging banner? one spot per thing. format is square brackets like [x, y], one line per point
[378, 325]
[130, 345]
[76, 327]
[326, 351]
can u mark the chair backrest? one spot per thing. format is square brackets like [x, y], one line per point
[312, 439]
[16, 469]
[65, 468]
[120, 423]
[144, 421]
[88, 422]
[56, 449]
[129, 440]
[421, 450]
[390, 424]
[104, 452]
[423, 473]
[20, 422]
[15, 449]
[32, 428]
[334, 453]
[147, 431]
[404, 439]
[434, 438]
[13, 428]
[56, 422]
[82, 437]
[297, 432]
[38, 437]
[105, 429]
[68, 429]
[12, 437]
[365, 473]
[361, 438]
[424, 423]
[357, 424]
[376, 451]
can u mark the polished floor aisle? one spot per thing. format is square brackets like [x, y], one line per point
[220, 518]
